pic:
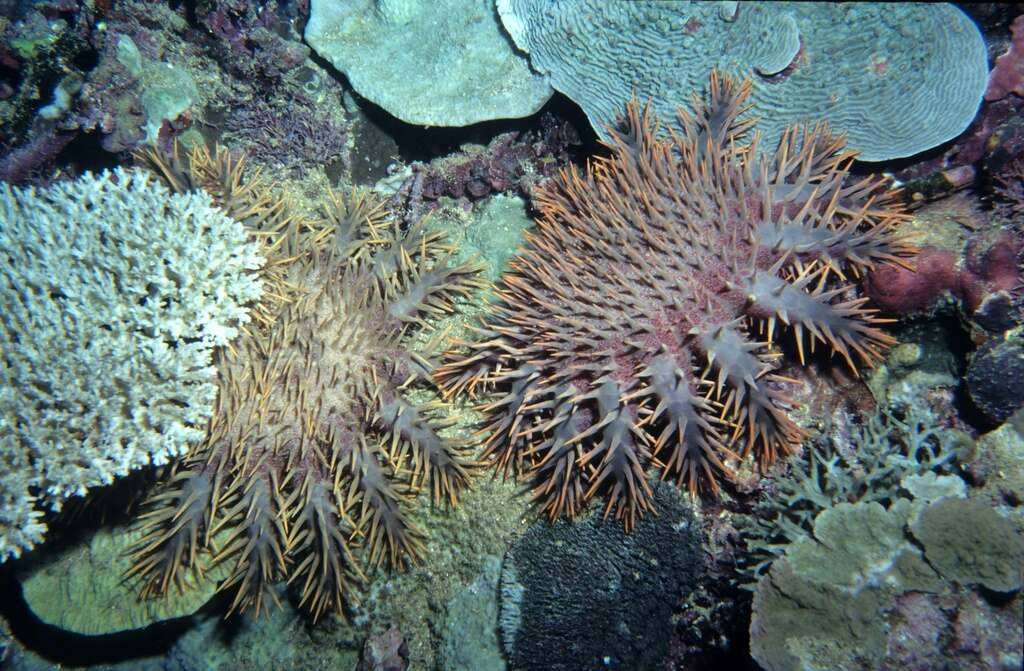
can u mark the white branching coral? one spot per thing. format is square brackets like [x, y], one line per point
[114, 294]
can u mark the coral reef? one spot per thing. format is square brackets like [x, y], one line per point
[743, 381]
[292, 135]
[114, 295]
[981, 155]
[896, 79]
[1007, 76]
[120, 74]
[844, 598]
[998, 469]
[438, 63]
[254, 41]
[874, 462]
[38, 57]
[511, 162]
[984, 282]
[315, 448]
[586, 595]
[626, 340]
[1009, 191]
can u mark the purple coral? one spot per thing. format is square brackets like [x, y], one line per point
[294, 138]
[1007, 77]
[1010, 190]
[512, 161]
[249, 41]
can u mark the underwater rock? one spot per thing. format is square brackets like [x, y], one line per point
[924, 370]
[995, 376]
[427, 62]
[166, 90]
[1000, 458]
[496, 232]
[83, 590]
[896, 78]
[386, 652]
[836, 599]
[589, 596]
[469, 631]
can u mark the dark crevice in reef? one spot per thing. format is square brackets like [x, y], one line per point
[420, 143]
[84, 153]
[68, 649]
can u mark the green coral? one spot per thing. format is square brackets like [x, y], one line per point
[882, 459]
[954, 532]
[872, 537]
[828, 603]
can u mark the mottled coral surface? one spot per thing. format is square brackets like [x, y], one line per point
[636, 336]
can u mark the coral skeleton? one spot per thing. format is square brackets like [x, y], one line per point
[637, 333]
[314, 452]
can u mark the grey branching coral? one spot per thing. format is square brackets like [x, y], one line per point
[635, 336]
[314, 448]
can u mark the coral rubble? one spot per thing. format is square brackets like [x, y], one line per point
[637, 332]
[315, 447]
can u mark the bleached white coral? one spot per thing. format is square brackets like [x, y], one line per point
[114, 294]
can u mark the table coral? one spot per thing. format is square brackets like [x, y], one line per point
[636, 333]
[896, 78]
[433, 63]
[314, 447]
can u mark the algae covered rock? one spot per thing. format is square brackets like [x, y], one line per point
[862, 541]
[970, 543]
[428, 62]
[851, 596]
[814, 628]
[1000, 455]
[469, 634]
[83, 590]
